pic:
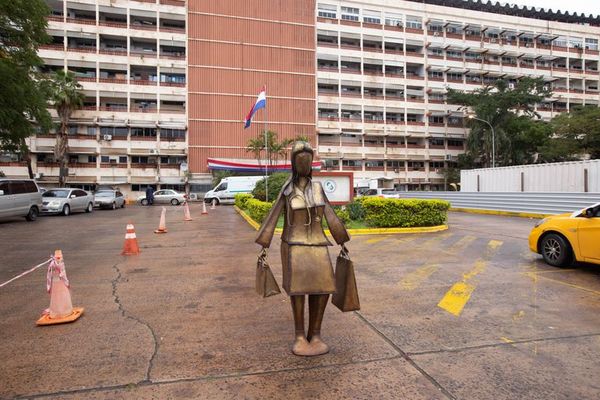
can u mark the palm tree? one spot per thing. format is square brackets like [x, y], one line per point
[66, 97]
[255, 146]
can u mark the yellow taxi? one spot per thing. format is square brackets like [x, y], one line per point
[562, 239]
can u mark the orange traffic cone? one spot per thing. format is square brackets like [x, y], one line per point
[61, 309]
[186, 212]
[130, 248]
[213, 205]
[162, 228]
[204, 212]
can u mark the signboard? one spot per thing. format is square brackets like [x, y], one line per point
[338, 186]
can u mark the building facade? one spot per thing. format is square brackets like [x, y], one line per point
[236, 48]
[168, 82]
[384, 69]
[130, 58]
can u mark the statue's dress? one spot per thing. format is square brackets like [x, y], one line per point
[304, 247]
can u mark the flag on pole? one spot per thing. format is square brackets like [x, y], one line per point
[261, 102]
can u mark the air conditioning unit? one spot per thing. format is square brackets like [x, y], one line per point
[153, 151]
[511, 85]
[39, 175]
[448, 157]
[107, 137]
[493, 40]
[528, 45]
[436, 34]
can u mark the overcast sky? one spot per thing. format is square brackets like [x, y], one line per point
[585, 6]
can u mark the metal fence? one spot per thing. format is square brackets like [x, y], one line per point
[534, 203]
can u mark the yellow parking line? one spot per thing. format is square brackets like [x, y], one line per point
[377, 239]
[462, 244]
[414, 279]
[536, 276]
[459, 294]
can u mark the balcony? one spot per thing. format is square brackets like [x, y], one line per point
[82, 21]
[177, 3]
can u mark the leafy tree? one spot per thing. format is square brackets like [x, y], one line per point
[66, 96]
[255, 146]
[22, 93]
[275, 184]
[518, 133]
[218, 175]
[576, 134]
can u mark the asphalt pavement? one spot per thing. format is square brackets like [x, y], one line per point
[467, 313]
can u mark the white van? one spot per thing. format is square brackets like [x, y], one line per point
[225, 191]
[19, 198]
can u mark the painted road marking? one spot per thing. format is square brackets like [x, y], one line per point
[377, 239]
[459, 294]
[535, 276]
[415, 278]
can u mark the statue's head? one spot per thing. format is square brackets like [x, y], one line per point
[302, 158]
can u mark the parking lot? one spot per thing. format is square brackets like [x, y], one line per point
[467, 313]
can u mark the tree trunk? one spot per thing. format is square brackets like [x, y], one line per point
[61, 151]
[27, 156]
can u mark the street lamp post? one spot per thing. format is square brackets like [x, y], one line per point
[493, 138]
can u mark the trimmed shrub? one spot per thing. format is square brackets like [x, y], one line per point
[258, 210]
[356, 211]
[404, 213]
[342, 214]
[275, 184]
[241, 199]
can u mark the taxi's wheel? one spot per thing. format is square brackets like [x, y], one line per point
[556, 250]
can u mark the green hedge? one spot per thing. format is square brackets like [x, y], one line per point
[241, 199]
[404, 213]
[275, 183]
[258, 210]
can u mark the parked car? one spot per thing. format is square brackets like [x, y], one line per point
[164, 196]
[66, 200]
[19, 198]
[562, 239]
[380, 192]
[225, 191]
[109, 199]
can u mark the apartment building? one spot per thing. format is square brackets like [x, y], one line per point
[365, 80]
[383, 69]
[130, 58]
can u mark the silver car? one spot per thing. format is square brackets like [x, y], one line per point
[66, 200]
[19, 198]
[109, 199]
[164, 196]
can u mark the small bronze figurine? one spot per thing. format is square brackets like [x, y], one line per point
[307, 268]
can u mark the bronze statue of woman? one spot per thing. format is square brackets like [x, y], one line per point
[307, 268]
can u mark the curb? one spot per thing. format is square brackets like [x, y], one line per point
[366, 231]
[503, 213]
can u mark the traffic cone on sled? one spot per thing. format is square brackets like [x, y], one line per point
[130, 248]
[186, 212]
[61, 308]
[162, 228]
[204, 212]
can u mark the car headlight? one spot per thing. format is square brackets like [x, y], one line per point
[540, 222]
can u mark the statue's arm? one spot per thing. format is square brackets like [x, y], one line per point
[265, 233]
[336, 227]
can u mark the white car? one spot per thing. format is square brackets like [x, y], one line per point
[164, 196]
[66, 200]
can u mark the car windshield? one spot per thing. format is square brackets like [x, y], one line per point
[104, 194]
[56, 193]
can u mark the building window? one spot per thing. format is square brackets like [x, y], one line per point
[178, 188]
[455, 143]
[393, 20]
[143, 132]
[374, 164]
[170, 134]
[591, 44]
[327, 11]
[352, 163]
[414, 22]
[141, 188]
[91, 159]
[114, 131]
[416, 165]
[436, 164]
[332, 163]
[72, 129]
[350, 13]
[371, 17]
[91, 130]
[395, 164]
[139, 159]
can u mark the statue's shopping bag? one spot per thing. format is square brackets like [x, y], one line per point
[346, 293]
[266, 285]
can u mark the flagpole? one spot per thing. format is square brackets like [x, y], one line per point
[267, 152]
